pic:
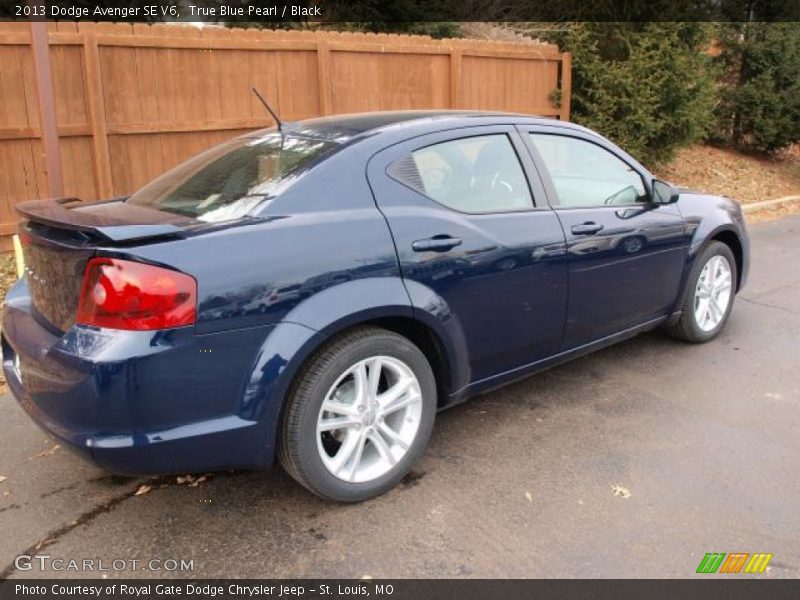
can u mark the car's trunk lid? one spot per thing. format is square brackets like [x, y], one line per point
[112, 220]
[59, 237]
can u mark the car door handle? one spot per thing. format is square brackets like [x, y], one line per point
[588, 228]
[438, 243]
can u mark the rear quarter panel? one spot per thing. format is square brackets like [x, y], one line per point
[317, 260]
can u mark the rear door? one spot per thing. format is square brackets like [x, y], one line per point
[626, 254]
[470, 227]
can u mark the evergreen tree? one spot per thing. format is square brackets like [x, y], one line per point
[759, 105]
[649, 87]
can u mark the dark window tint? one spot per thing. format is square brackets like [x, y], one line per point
[229, 180]
[584, 174]
[479, 174]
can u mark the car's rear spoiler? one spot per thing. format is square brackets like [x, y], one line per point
[111, 220]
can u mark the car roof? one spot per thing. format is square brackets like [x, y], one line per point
[348, 128]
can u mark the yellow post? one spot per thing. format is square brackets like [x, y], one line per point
[18, 256]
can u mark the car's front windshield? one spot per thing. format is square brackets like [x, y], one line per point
[227, 181]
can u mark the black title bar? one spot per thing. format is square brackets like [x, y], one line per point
[702, 588]
[321, 11]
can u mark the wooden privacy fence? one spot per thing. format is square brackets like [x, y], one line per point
[119, 104]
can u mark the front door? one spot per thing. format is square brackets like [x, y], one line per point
[626, 254]
[473, 233]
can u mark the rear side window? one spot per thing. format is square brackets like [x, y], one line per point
[480, 174]
[227, 181]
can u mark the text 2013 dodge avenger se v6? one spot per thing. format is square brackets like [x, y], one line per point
[317, 293]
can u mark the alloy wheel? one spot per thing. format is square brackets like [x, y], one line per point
[713, 293]
[369, 419]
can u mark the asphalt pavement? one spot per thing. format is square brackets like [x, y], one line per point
[632, 462]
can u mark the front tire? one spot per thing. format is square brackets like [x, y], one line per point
[708, 299]
[359, 416]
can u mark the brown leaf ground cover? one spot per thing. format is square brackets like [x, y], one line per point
[726, 172]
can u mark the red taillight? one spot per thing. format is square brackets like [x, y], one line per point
[122, 294]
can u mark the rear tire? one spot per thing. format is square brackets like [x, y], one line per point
[708, 298]
[379, 397]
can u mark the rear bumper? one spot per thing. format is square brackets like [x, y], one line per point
[138, 402]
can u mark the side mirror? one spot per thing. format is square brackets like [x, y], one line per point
[664, 193]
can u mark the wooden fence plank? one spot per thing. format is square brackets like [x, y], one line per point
[566, 85]
[324, 75]
[97, 116]
[455, 77]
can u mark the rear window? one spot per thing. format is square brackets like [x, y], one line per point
[227, 181]
[476, 175]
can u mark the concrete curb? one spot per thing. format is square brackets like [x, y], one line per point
[757, 206]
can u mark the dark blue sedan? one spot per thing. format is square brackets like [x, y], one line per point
[319, 293]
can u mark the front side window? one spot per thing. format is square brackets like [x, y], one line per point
[585, 174]
[229, 180]
[480, 174]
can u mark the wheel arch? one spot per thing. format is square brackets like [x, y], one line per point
[725, 233]
[731, 239]
[292, 343]
[427, 340]
[728, 235]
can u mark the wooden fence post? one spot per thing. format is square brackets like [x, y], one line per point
[97, 116]
[40, 46]
[566, 85]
